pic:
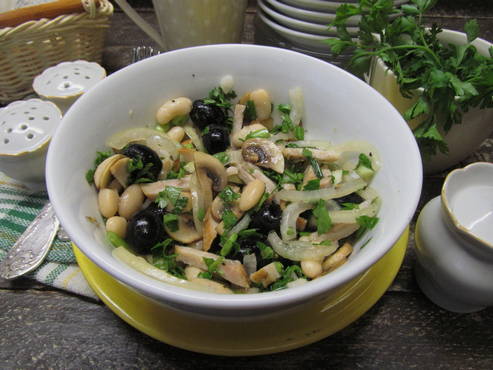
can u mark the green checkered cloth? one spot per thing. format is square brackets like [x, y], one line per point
[18, 208]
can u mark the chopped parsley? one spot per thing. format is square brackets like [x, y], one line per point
[170, 220]
[288, 274]
[287, 124]
[171, 196]
[181, 172]
[212, 267]
[228, 195]
[164, 261]
[266, 252]
[218, 97]
[365, 223]
[250, 111]
[228, 243]
[139, 173]
[312, 185]
[222, 156]
[324, 223]
[100, 157]
[258, 134]
[316, 167]
[349, 206]
[364, 161]
[229, 219]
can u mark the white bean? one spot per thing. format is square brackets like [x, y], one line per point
[130, 201]
[118, 225]
[173, 108]
[176, 133]
[251, 194]
[263, 103]
[311, 269]
[108, 202]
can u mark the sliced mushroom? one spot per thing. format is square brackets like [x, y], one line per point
[152, 189]
[249, 172]
[211, 175]
[218, 207]
[326, 156]
[237, 120]
[266, 275]
[102, 175]
[119, 170]
[211, 285]
[186, 232]
[230, 270]
[239, 137]
[264, 153]
[209, 230]
[186, 154]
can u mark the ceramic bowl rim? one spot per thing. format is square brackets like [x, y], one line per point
[448, 209]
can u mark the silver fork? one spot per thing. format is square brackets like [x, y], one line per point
[32, 247]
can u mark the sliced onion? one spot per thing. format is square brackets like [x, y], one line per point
[339, 231]
[350, 216]
[140, 264]
[289, 217]
[197, 202]
[297, 282]
[368, 193]
[319, 144]
[325, 194]
[194, 136]
[120, 139]
[250, 263]
[282, 136]
[297, 105]
[241, 225]
[298, 250]
[163, 146]
[351, 150]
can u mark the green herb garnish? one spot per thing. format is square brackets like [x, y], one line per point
[100, 157]
[324, 223]
[116, 240]
[257, 134]
[365, 223]
[229, 219]
[228, 195]
[312, 185]
[266, 252]
[212, 267]
[288, 274]
[453, 78]
[170, 220]
[250, 111]
[227, 244]
[171, 195]
[222, 156]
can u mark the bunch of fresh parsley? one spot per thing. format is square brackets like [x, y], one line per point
[453, 78]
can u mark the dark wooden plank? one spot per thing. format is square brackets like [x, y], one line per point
[56, 330]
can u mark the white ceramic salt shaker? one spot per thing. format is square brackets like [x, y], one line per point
[26, 128]
[64, 83]
[454, 241]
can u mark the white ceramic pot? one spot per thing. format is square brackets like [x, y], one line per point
[454, 241]
[463, 139]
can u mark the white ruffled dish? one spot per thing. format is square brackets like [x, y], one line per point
[26, 128]
[302, 39]
[326, 6]
[67, 81]
[319, 17]
[298, 25]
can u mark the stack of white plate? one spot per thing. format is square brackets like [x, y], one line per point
[302, 25]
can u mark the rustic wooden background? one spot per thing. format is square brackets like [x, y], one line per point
[42, 327]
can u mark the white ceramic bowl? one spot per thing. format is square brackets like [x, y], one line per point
[298, 25]
[339, 107]
[326, 6]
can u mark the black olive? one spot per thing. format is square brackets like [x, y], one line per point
[145, 229]
[203, 114]
[267, 218]
[350, 198]
[216, 139]
[146, 155]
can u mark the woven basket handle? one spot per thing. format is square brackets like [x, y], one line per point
[47, 10]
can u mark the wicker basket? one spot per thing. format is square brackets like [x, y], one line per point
[30, 48]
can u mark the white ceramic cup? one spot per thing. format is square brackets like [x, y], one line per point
[185, 23]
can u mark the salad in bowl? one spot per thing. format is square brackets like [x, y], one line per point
[224, 194]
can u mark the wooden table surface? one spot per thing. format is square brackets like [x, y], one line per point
[41, 327]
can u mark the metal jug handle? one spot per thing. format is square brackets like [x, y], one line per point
[142, 23]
